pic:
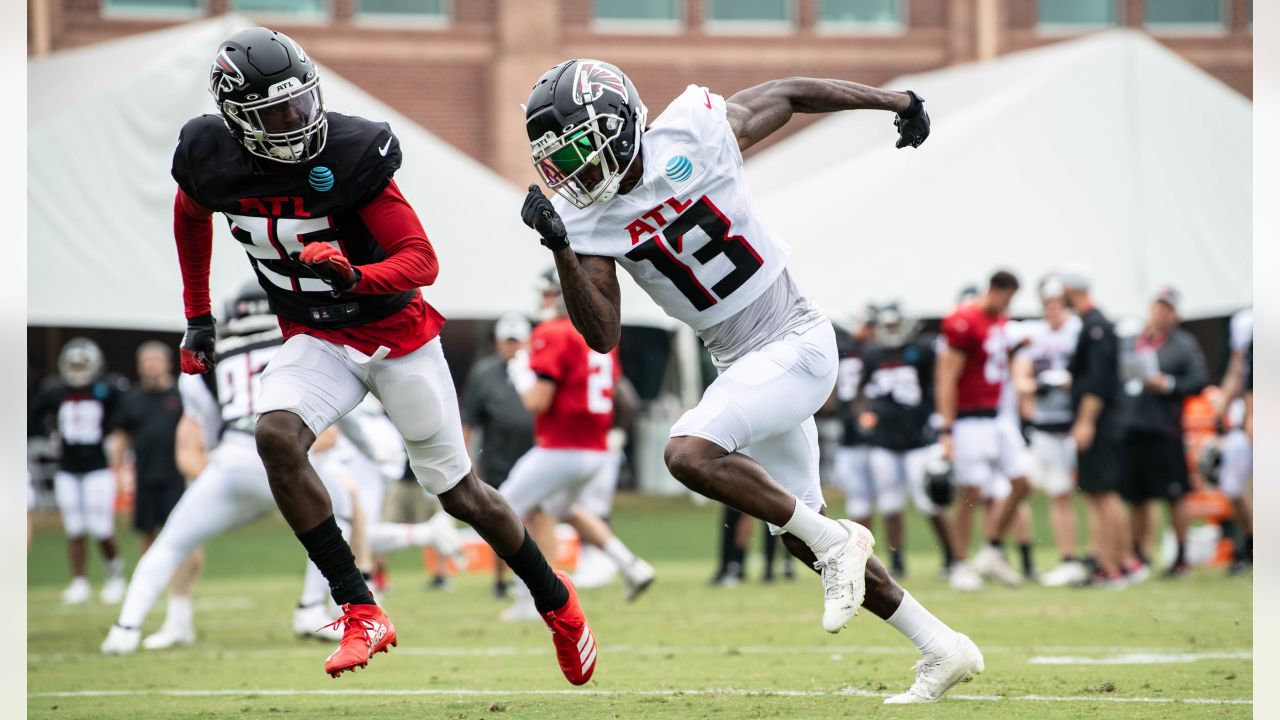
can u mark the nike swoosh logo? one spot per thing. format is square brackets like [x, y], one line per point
[383, 150]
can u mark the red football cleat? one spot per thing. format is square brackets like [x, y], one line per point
[368, 631]
[575, 645]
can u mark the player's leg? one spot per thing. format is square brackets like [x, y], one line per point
[212, 505]
[67, 493]
[594, 568]
[1014, 463]
[765, 394]
[1236, 472]
[888, 474]
[418, 394]
[1053, 457]
[976, 451]
[99, 488]
[1172, 467]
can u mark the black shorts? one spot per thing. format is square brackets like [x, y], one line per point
[1155, 468]
[1099, 468]
[153, 503]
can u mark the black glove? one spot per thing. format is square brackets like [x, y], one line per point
[538, 214]
[196, 354]
[912, 123]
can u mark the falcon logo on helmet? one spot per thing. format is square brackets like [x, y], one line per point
[225, 76]
[592, 79]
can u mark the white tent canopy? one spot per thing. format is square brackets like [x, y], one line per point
[1109, 154]
[100, 196]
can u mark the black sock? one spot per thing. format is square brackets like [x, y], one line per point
[770, 551]
[997, 544]
[1028, 565]
[530, 566]
[895, 561]
[948, 557]
[1248, 547]
[728, 530]
[332, 555]
[1068, 558]
[1181, 558]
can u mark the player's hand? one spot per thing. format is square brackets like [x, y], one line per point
[196, 353]
[330, 265]
[519, 373]
[912, 123]
[948, 447]
[1082, 433]
[539, 214]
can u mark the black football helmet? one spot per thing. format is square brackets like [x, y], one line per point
[248, 311]
[80, 362]
[894, 328]
[939, 481]
[584, 119]
[268, 92]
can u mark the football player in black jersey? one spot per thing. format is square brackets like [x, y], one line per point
[897, 384]
[311, 198]
[78, 405]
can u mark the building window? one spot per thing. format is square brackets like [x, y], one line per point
[764, 14]
[306, 8]
[380, 11]
[659, 11]
[176, 8]
[1068, 14]
[861, 14]
[1187, 13]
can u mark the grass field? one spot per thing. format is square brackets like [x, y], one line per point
[1160, 650]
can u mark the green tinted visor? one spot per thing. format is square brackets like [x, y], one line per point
[574, 153]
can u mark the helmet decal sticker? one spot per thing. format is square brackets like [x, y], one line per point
[225, 76]
[592, 78]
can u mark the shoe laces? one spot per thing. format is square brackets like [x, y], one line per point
[922, 669]
[833, 576]
[353, 623]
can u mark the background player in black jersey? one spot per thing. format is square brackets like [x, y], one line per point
[341, 254]
[78, 406]
[897, 386]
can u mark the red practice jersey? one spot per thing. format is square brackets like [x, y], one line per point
[986, 363]
[582, 410]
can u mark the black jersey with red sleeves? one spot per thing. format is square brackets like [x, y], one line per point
[274, 209]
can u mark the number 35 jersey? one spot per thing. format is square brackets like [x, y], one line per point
[690, 233]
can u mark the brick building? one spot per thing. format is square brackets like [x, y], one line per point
[461, 67]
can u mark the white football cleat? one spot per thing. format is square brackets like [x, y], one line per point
[121, 641]
[992, 565]
[314, 621]
[595, 568]
[1071, 572]
[113, 591]
[169, 636]
[935, 676]
[445, 537]
[78, 592]
[639, 575]
[843, 570]
[964, 578]
[521, 610]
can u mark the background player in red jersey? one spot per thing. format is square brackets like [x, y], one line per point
[310, 196]
[569, 388]
[972, 370]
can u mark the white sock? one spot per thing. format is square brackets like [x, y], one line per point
[115, 568]
[390, 537]
[619, 552]
[819, 532]
[180, 611]
[928, 633]
[315, 589]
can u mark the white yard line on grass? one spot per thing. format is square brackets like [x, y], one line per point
[1078, 655]
[735, 692]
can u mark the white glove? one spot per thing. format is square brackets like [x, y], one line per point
[521, 375]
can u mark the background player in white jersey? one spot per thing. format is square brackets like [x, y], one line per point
[1236, 473]
[1043, 384]
[669, 202]
[568, 388]
[77, 406]
[231, 489]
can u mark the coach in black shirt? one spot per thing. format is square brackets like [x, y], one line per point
[1164, 365]
[1095, 380]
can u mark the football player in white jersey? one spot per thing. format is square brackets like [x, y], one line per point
[1043, 384]
[1237, 447]
[669, 202]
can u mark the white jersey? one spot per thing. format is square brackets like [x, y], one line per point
[238, 379]
[690, 233]
[1050, 352]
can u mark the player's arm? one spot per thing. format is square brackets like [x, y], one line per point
[120, 442]
[191, 454]
[1093, 386]
[946, 380]
[588, 283]
[537, 399]
[756, 112]
[193, 233]
[1024, 382]
[1232, 381]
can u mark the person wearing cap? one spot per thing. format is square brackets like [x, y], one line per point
[1163, 367]
[1095, 381]
[1043, 385]
[491, 405]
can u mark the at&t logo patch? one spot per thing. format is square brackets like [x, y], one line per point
[321, 178]
[679, 168]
